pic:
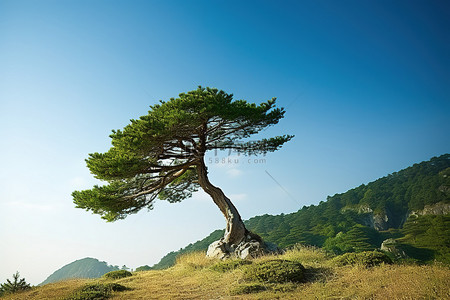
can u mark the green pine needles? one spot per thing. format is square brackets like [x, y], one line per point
[16, 285]
[159, 155]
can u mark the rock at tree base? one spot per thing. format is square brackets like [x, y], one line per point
[250, 247]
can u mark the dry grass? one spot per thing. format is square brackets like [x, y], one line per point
[57, 290]
[193, 261]
[192, 278]
[309, 256]
[383, 282]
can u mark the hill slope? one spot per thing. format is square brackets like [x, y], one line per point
[82, 268]
[196, 277]
[411, 205]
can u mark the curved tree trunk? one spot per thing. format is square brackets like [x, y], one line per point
[235, 231]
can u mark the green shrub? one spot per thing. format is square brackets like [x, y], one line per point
[366, 258]
[117, 274]
[143, 268]
[247, 289]
[17, 285]
[275, 271]
[96, 291]
[229, 265]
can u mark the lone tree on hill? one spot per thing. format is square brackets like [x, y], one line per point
[162, 155]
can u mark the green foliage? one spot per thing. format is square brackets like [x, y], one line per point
[427, 238]
[229, 265]
[158, 154]
[143, 268]
[358, 238]
[366, 259]
[82, 268]
[16, 285]
[118, 274]
[96, 291]
[275, 271]
[247, 288]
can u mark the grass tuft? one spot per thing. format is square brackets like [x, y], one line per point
[308, 256]
[194, 260]
[229, 265]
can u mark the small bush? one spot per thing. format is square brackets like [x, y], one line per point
[247, 289]
[229, 265]
[275, 271]
[366, 258]
[117, 274]
[143, 268]
[96, 291]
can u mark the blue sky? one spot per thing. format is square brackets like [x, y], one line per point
[365, 84]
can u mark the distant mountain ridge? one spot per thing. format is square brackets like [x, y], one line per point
[82, 268]
[410, 206]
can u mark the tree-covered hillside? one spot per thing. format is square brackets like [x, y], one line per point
[82, 268]
[411, 205]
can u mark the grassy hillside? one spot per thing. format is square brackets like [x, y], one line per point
[362, 218]
[322, 277]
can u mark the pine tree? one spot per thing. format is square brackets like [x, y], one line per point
[17, 285]
[161, 155]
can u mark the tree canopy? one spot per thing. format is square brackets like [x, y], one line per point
[161, 153]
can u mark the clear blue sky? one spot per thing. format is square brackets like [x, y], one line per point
[366, 86]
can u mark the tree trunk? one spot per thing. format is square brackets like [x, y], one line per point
[237, 242]
[235, 231]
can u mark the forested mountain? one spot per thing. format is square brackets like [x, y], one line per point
[411, 207]
[82, 268]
